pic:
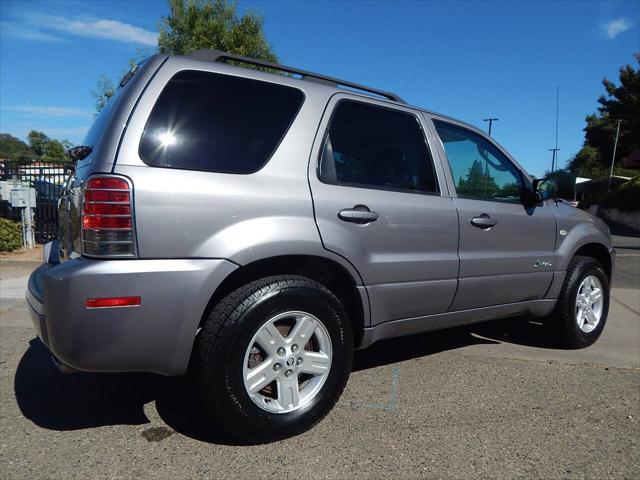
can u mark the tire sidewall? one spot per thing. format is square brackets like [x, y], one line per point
[307, 299]
[584, 338]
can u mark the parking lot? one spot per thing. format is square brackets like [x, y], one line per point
[495, 400]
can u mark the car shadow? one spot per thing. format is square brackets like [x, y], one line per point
[56, 401]
[525, 331]
[79, 401]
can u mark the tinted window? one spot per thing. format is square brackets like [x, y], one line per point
[479, 169]
[217, 123]
[376, 147]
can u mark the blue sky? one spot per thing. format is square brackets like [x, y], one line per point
[469, 60]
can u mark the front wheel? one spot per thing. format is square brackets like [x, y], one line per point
[583, 305]
[273, 358]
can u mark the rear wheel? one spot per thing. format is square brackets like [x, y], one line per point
[273, 358]
[583, 305]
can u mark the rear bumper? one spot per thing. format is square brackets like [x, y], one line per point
[156, 336]
[34, 296]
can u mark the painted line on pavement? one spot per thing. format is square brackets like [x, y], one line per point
[386, 407]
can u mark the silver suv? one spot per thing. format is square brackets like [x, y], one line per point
[259, 227]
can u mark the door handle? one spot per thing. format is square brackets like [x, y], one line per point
[359, 214]
[483, 221]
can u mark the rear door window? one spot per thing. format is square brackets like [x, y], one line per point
[218, 123]
[375, 147]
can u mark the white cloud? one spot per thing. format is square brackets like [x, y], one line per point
[72, 132]
[109, 29]
[19, 31]
[44, 111]
[41, 25]
[615, 27]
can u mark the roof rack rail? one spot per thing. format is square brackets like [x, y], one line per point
[220, 56]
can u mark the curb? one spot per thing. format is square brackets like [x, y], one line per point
[32, 264]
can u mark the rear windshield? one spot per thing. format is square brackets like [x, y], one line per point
[218, 123]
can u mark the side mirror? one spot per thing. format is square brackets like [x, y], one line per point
[545, 189]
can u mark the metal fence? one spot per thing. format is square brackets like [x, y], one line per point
[48, 180]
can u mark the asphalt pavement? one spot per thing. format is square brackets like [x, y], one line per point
[498, 400]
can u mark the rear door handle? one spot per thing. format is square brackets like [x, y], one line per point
[359, 214]
[483, 221]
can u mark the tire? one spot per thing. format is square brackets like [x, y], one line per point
[565, 319]
[232, 340]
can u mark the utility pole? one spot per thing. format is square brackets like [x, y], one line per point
[490, 120]
[555, 149]
[613, 158]
[553, 158]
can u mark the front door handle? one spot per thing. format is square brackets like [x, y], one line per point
[483, 221]
[359, 214]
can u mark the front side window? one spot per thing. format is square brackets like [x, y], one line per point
[479, 169]
[375, 147]
[218, 123]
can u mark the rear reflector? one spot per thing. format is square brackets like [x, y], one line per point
[112, 302]
[107, 218]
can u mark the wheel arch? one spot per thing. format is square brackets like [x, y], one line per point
[598, 251]
[328, 272]
[585, 239]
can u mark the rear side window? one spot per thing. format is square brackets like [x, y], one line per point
[218, 123]
[375, 147]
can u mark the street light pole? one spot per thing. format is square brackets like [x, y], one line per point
[490, 120]
[613, 158]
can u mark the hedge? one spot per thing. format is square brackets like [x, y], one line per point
[10, 235]
[624, 198]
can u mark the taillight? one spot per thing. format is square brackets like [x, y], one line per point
[107, 218]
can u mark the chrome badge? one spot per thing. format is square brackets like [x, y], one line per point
[542, 263]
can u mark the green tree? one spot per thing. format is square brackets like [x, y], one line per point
[54, 151]
[37, 142]
[46, 149]
[620, 102]
[103, 92]
[13, 148]
[586, 163]
[196, 24]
